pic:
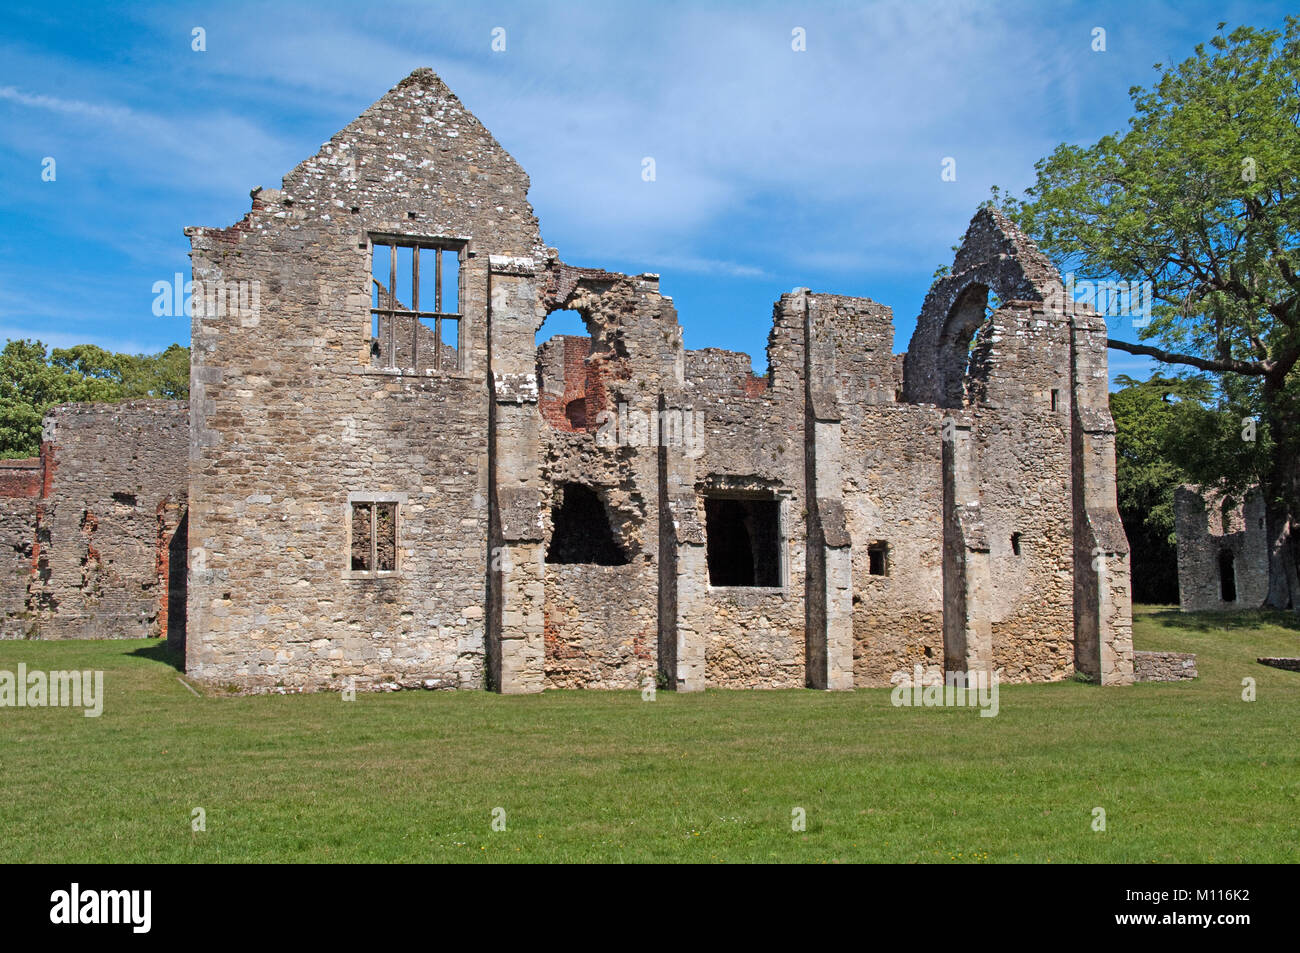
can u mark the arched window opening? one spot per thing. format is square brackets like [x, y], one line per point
[565, 375]
[960, 335]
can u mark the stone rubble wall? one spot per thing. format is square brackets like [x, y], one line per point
[754, 444]
[1024, 465]
[1208, 524]
[602, 622]
[1164, 666]
[896, 497]
[91, 548]
[19, 519]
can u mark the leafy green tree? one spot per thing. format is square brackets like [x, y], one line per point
[32, 381]
[28, 385]
[1201, 197]
[169, 374]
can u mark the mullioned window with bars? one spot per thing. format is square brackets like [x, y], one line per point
[415, 303]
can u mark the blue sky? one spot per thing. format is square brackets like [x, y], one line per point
[774, 168]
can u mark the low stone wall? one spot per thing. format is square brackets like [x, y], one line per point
[1164, 666]
[1290, 664]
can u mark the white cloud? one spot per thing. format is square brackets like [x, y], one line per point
[71, 106]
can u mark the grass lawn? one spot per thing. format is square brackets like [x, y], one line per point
[1185, 772]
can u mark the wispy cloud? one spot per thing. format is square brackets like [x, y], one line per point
[72, 106]
[710, 266]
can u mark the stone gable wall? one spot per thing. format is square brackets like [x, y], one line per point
[292, 417]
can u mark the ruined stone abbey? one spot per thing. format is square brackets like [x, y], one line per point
[390, 484]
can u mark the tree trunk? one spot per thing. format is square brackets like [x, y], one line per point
[1283, 583]
[1281, 488]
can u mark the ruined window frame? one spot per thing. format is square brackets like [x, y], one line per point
[1227, 571]
[782, 501]
[619, 556]
[417, 243]
[880, 548]
[399, 502]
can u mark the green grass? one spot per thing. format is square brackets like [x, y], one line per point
[1185, 772]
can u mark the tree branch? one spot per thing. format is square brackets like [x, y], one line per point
[1229, 365]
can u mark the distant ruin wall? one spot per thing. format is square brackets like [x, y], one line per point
[18, 522]
[89, 554]
[1222, 550]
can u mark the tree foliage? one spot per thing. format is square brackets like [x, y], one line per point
[32, 381]
[1200, 196]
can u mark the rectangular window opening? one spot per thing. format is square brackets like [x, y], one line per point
[743, 536]
[1015, 544]
[362, 560]
[581, 531]
[373, 544]
[450, 342]
[415, 303]
[1227, 576]
[878, 558]
[1055, 397]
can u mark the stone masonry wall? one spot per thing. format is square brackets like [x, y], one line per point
[1208, 526]
[952, 508]
[101, 533]
[602, 621]
[1020, 370]
[1035, 560]
[1164, 666]
[893, 497]
[753, 447]
[294, 419]
[19, 519]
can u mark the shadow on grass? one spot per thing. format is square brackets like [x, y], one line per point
[160, 651]
[1224, 621]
